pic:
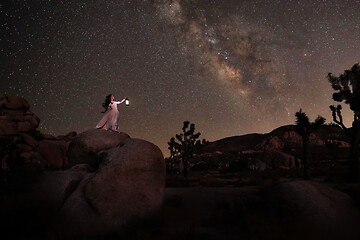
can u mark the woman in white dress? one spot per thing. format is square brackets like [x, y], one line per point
[110, 120]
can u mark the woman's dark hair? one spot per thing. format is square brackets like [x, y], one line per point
[107, 102]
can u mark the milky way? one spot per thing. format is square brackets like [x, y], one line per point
[231, 67]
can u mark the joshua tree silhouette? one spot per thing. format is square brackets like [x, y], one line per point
[185, 145]
[173, 155]
[304, 128]
[347, 88]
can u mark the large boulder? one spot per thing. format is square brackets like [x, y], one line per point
[85, 146]
[129, 184]
[310, 210]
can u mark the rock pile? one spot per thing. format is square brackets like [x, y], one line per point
[91, 185]
[84, 201]
[16, 116]
[19, 138]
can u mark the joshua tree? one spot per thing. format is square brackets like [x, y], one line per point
[173, 153]
[347, 88]
[336, 113]
[186, 144]
[304, 128]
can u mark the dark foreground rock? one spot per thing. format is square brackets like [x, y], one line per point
[310, 210]
[295, 210]
[84, 202]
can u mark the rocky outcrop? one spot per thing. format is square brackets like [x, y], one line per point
[20, 138]
[129, 184]
[83, 202]
[15, 116]
[85, 146]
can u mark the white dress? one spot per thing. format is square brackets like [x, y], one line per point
[110, 120]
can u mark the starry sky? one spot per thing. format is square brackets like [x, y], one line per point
[231, 67]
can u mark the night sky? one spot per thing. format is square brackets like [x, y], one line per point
[231, 67]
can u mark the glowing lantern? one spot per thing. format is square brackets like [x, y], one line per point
[127, 102]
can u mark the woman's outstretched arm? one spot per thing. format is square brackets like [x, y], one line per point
[117, 102]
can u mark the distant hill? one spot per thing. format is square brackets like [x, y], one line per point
[285, 141]
[235, 143]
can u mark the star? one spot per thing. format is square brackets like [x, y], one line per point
[220, 64]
